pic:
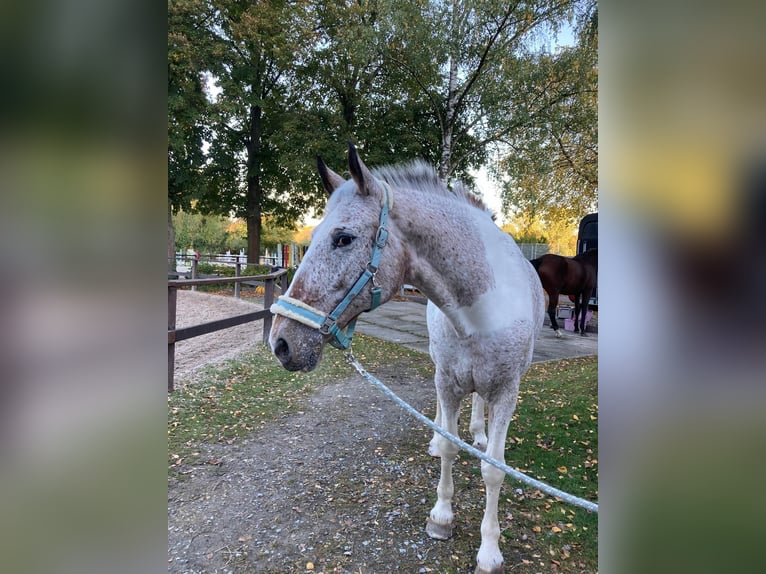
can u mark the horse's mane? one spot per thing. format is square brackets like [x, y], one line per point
[423, 177]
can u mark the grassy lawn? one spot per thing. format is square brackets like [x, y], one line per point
[242, 396]
[553, 437]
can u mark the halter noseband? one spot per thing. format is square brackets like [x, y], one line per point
[328, 324]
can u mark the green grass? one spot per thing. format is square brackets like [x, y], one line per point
[236, 399]
[553, 437]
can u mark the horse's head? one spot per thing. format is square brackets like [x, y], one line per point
[350, 267]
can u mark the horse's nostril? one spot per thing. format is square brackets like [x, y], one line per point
[282, 350]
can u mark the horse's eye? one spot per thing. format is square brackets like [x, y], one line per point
[342, 240]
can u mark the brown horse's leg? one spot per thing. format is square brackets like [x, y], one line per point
[585, 300]
[577, 309]
[553, 299]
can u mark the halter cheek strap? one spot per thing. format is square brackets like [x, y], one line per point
[328, 324]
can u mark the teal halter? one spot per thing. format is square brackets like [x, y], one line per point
[328, 324]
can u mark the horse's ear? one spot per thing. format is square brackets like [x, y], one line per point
[330, 180]
[362, 176]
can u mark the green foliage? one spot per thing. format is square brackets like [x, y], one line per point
[187, 105]
[230, 271]
[205, 233]
[459, 57]
[273, 234]
[530, 237]
[269, 85]
[548, 169]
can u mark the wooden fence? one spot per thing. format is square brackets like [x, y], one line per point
[175, 335]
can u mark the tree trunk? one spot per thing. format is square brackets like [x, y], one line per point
[254, 191]
[171, 241]
[445, 162]
[450, 114]
[253, 220]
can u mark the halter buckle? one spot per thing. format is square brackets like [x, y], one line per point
[326, 325]
[381, 237]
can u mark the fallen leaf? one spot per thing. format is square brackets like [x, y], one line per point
[309, 565]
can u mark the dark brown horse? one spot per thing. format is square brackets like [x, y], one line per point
[568, 276]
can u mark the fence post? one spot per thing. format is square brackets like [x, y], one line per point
[268, 299]
[283, 284]
[172, 298]
[194, 272]
[237, 284]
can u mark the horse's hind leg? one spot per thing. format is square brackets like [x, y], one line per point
[577, 309]
[441, 518]
[476, 427]
[477, 422]
[553, 299]
[489, 560]
[584, 309]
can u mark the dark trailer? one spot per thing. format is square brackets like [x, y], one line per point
[587, 238]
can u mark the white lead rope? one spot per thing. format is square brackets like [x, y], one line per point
[520, 476]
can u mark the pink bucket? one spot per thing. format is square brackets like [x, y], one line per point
[569, 323]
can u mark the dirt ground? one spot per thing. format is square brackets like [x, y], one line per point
[193, 308]
[344, 485]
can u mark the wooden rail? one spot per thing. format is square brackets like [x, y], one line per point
[175, 335]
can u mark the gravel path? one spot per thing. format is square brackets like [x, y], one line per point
[344, 485]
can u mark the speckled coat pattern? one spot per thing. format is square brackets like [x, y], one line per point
[486, 305]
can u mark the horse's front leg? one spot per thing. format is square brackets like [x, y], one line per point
[433, 446]
[477, 422]
[489, 560]
[441, 518]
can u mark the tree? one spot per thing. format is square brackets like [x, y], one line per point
[549, 171]
[458, 55]
[257, 46]
[349, 92]
[205, 233]
[187, 109]
[285, 80]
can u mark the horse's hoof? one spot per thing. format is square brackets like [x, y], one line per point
[438, 531]
[434, 452]
[495, 570]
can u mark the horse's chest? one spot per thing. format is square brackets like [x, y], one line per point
[473, 364]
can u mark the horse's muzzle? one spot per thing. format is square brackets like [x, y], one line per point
[298, 348]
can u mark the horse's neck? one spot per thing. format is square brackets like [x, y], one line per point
[448, 252]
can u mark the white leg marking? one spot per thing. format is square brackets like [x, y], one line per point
[489, 558]
[441, 517]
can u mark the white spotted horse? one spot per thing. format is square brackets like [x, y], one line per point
[402, 224]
